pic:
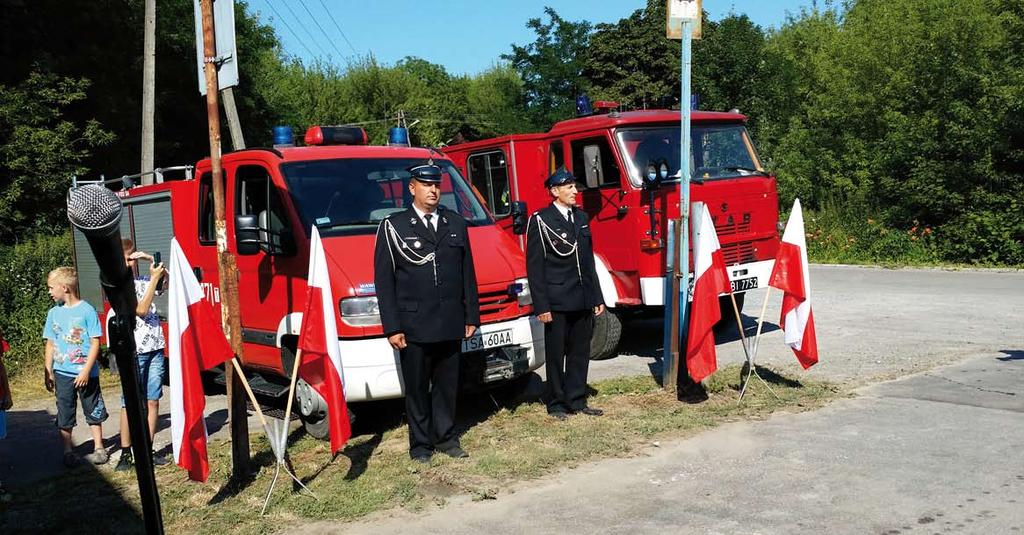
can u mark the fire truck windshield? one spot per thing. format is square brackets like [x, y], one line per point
[352, 195]
[718, 151]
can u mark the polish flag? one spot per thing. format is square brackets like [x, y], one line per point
[195, 342]
[792, 276]
[710, 280]
[318, 340]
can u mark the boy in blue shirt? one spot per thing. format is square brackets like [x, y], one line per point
[72, 334]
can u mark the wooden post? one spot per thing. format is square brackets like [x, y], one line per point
[234, 125]
[148, 90]
[227, 270]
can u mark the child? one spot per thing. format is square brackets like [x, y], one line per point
[149, 350]
[72, 334]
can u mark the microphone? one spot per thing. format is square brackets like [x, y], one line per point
[96, 212]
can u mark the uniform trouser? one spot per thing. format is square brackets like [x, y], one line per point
[567, 359]
[431, 375]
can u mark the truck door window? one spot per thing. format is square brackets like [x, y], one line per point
[594, 157]
[256, 195]
[489, 174]
[556, 157]
[206, 232]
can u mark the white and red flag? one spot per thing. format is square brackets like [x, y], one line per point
[321, 359]
[792, 275]
[709, 280]
[195, 342]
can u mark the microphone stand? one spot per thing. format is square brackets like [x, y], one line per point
[96, 212]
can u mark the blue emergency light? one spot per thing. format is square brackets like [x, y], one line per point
[398, 137]
[283, 136]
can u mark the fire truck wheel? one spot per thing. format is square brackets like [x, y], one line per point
[607, 331]
[728, 320]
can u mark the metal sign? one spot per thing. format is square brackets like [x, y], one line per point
[679, 10]
[227, 52]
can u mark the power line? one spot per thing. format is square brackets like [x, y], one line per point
[286, 25]
[301, 25]
[329, 40]
[338, 26]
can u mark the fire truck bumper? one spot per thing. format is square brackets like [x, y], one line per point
[743, 277]
[499, 351]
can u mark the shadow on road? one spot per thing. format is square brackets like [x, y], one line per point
[1011, 354]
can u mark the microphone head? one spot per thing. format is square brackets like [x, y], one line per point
[95, 210]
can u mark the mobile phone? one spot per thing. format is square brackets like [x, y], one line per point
[156, 258]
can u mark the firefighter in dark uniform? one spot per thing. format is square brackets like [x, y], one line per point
[566, 294]
[426, 291]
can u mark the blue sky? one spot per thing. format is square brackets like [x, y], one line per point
[466, 36]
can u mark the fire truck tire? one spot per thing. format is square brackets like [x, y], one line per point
[728, 316]
[607, 331]
[320, 428]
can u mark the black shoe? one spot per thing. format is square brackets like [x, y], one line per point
[161, 459]
[590, 411]
[558, 415]
[126, 461]
[422, 458]
[456, 452]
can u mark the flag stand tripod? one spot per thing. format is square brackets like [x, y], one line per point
[751, 351]
[279, 438]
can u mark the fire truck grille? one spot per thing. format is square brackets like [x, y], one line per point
[494, 304]
[738, 253]
[725, 228]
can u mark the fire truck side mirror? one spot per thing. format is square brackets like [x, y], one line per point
[592, 165]
[247, 234]
[518, 217]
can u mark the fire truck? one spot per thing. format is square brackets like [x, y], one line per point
[346, 188]
[628, 164]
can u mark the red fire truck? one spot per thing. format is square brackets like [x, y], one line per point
[629, 163]
[345, 188]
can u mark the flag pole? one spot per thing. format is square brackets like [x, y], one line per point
[752, 351]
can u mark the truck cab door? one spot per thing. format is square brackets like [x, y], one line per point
[609, 199]
[271, 282]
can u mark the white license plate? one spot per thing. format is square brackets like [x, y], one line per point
[742, 285]
[482, 341]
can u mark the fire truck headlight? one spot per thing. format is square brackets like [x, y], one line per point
[652, 172]
[521, 289]
[360, 311]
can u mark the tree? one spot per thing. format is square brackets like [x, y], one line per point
[551, 67]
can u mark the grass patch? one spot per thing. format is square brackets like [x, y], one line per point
[509, 444]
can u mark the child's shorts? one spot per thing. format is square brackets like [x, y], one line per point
[151, 374]
[92, 401]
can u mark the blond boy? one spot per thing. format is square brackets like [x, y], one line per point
[72, 334]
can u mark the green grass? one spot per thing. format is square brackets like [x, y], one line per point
[511, 444]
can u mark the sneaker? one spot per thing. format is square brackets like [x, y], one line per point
[126, 461]
[98, 456]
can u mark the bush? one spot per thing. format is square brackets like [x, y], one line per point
[23, 271]
[851, 233]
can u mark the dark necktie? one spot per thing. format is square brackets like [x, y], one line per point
[569, 214]
[430, 225]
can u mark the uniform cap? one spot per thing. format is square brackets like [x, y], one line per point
[429, 173]
[561, 177]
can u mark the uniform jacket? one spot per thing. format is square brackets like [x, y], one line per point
[555, 281]
[411, 300]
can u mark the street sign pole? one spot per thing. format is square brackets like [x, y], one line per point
[683, 18]
[684, 185]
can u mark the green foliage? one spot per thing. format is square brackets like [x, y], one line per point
[39, 151]
[849, 233]
[913, 106]
[552, 67]
[23, 271]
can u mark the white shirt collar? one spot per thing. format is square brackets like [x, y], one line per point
[562, 210]
[420, 214]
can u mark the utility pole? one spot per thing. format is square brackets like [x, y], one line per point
[148, 89]
[234, 125]
[227, 270]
